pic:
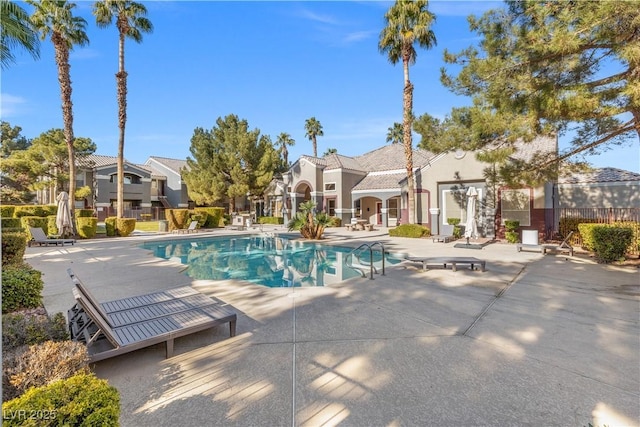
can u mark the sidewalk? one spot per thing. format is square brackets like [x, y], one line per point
[534, 340]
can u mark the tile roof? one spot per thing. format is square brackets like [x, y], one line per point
[100, 161]
[175, 165]
[391, 157]
[380, 181]
[527, 150]
[338, 161]
[600, 175]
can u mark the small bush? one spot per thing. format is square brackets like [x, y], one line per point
[511, 225]
[611, 243]
[21, 287]
[512, 236]
[7, 211]
[410, 230]
[82, 400]
[213, 216]
[177, 218]
[13, 247]
[21, 329]
[457, 230]
[270, 220]
[48, 210]
[125, 226]
[87, 227]
[52, 227]
[110, 226]
[336, 222]
[200, 217]
[41, 364]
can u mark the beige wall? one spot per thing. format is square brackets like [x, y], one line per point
[600, 195]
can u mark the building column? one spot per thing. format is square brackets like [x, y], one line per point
[384, 216]
[435, 222]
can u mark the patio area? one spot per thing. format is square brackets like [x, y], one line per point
[535, 340]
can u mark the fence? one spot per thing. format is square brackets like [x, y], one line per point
[157, 213]
[599, 216]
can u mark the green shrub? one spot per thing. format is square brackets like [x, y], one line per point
[48, 210]
[87, 227]
[457, 230]
[213, 216]
[177, 218]
[84, 213]
[512, 236]
[610, 243]
[511, 225]
[41, 364]
[110, 225]
[29, 210]
[35, 222]
[13, 247]
[20, 329]
[8, 222]
[336, 222]
[7, 211]
[21, 287]
[410, 230]
[82, 400]
[270, 220]
[586, 235]
[200, 217]
[52, 227]
[125, 226]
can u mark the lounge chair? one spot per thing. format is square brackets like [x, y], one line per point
[135, 309]
[444, 261]
[446, 235]
[192, 228]
[564, 246]
[38, 236]
[103, 340]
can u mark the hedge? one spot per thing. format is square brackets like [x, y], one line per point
[177, 218]
[213, 216]
[83, 213]
[610, 242]
[35, 222]
[410, 230]
[271, 220]
[7, 211]
[125, 226]
[87, 227]
[21, 287]
[14, 245]
[8, 222]
[82, 400]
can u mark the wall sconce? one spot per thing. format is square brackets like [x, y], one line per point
[367, 209]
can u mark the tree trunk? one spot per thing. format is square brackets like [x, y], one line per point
[407, 118]
[64, 78]
[121, 82]
[315, 146]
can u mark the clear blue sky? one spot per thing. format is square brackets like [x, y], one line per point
[274, 64]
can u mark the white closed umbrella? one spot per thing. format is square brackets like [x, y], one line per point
[471, 226]
[63, 217]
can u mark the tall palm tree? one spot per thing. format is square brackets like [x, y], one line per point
[131, 22]
[55, 18]
[16, 30]
[395, 133]
[285, 139]
[313, 129]
[408, 22]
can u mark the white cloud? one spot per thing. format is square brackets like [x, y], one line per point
[11, 105]
[317, 17]
[84, 53]
[357, 36]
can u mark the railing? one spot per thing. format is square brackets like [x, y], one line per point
[353, 253]
[157, 213]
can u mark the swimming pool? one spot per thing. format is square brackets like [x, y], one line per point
[271, 261]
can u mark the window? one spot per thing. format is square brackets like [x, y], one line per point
[393, 208]
[516, 206]
[330, 186]
[454, 204]
[331, 207]
[128, 178]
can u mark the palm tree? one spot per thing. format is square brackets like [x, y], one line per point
[285, 139]
[16, 30]
[313, 129]
[54, 18]
[330, 151]
[395, 133]
[131, 22]
[408, 22]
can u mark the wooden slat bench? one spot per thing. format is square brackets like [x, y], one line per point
[121, 331]
[453, 261]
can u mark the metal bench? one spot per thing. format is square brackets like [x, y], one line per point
[453, 261]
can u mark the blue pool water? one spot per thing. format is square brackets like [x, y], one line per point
[265, 260]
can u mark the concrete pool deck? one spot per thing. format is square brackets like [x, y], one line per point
[534, 340]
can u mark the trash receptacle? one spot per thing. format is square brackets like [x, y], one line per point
[163, 225]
